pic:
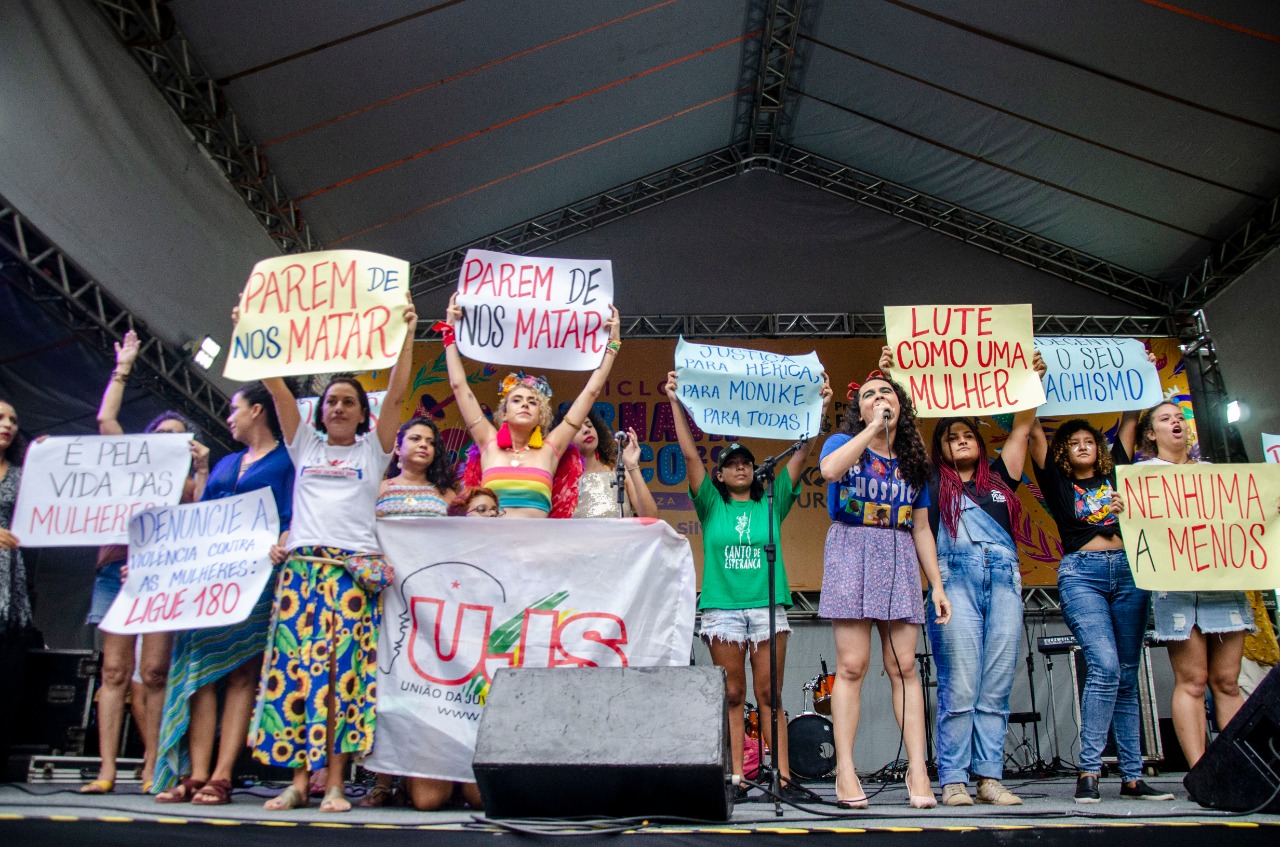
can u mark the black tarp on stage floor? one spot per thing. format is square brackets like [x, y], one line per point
[58, 816]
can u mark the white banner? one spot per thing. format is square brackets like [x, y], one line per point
[1270, 447]
[195, 566]
[1090, 375]
[534, 312]
[81, 491]
[472, 595]
[741, 392]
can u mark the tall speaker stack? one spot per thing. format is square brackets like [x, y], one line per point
[1241, 769]
[609, 742]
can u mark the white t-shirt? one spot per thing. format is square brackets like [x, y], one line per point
[335, 490]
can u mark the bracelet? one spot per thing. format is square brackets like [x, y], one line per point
[476, 421]
[632, 468]
[449, 337]
[615, 346]
[572, 424]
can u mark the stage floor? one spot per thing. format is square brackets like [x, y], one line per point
[57, 814]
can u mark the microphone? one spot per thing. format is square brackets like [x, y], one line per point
[888, 414]
[620, 437]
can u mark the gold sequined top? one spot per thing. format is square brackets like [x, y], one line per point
[597, 497]
[1260, 645]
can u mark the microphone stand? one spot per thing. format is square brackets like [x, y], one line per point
[765, 474]
[620, 474]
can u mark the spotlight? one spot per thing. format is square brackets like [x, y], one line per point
[1234, 412]
[207, 352]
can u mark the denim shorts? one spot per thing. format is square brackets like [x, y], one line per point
[1177, 612]
[106, 585]
[741, 626]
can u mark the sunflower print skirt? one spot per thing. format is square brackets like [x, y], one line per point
[324, 628]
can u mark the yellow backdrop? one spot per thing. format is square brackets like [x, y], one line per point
[633, 398]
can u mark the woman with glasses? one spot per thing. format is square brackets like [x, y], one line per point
[479, 502]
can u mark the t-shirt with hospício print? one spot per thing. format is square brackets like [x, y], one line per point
[734, 535]
[872, 492]
[1082, 508]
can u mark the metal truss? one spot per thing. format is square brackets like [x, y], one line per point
[582, 216]
[64, 290]
[1237, 253]
[972, 228]
[1209, 395]
[867, 325]
[147, 29]
[770, 74]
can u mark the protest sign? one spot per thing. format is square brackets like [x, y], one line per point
[964, 360]
[307, 408]
[81, 491]
[1201, 527]
[616, 593]
[735, 391]
[534, 312]
[1270, 447]
[334, 310]
[1089, 375]
[194, 566]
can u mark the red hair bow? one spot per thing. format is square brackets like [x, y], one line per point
[855, 387]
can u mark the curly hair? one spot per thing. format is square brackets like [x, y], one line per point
[606, 447]
[1059, 451]
[462, 503]
[361, 395]
[951, 488]
[544, 408]
[908, 445]
[17, 448]
[439, 473]
[1147, 443]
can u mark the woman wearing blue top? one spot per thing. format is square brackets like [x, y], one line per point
[202, 657]
[877, 496]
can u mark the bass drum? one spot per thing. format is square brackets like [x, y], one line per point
[811, 746]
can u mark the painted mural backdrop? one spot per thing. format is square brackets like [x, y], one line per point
[633, 398]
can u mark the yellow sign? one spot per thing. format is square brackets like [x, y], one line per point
[964, 360]
[335, 310]
[1202, 527]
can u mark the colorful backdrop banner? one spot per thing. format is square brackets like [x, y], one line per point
[82, 491]
[964, 360]
[1088, 375]
[334, 310]
[738, 391]
[470, 598]
[1202, 527]
[530, 311]
[195, 566]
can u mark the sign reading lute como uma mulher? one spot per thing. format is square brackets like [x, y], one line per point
[1201, 527]
[334, 310]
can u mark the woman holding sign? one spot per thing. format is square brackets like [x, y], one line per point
[878, 498]
[1203, 630]
[316, 700]
[735, 584]
[519, 454]
[118, 654]
[1106, 611]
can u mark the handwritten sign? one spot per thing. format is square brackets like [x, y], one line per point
[973, 360]
[1090, 375]
[734, 391]
[307, 408]
[1271, 447]
[194, 566]
[534, 312]
[1201, 527]
[335, 310]
[82, 491]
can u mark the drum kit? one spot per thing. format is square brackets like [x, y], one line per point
[810, 738]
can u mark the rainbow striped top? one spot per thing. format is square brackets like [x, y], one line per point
[519, 487]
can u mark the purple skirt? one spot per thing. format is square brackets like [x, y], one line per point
[871, 573]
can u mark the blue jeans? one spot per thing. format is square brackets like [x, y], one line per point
[976, 654]
[1107, 614]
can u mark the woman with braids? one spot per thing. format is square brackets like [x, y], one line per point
[1204, 631]
[519, 456]
[226, 657]
[118, 654]
[597, 497]
[1105, 610]
[877, 496]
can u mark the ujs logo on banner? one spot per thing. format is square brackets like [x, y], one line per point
[1089, 375]
[534, 312]
[736, 391]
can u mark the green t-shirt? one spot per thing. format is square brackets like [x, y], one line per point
[734, 534]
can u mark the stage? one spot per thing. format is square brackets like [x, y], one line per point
[57, 815]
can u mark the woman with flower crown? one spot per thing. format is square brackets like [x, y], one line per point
[514, 456]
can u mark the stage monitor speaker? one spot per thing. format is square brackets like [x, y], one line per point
[609, 742]
[1241, 768]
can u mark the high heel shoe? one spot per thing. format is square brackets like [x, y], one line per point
[855, 803]
[920, 801]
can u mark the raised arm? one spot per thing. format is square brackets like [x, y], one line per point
[694, 468]
[800, 458]
[113, 396]
[562, 436]
[477, 424]
[286, 404]
[1015, 448]
[397, 383]
[1127, 432]
[637, 491]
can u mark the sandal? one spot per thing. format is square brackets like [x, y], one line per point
[378, 796]
[335, 800]
[290, 798]
[99, 786]
[182, 792]
[216, 792]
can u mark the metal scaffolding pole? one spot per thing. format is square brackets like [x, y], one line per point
[1237, 253]
[1209, 396]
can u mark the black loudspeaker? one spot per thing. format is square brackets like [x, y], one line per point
[608, 742]
[1241, 768]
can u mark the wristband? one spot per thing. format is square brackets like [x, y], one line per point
[615, 346]
[448, 336]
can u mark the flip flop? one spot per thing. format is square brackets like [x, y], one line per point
[99, 786]
[290, 798]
